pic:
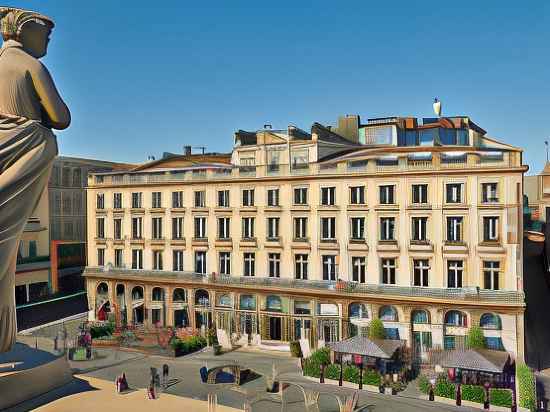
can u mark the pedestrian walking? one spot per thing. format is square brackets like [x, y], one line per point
[165, 371]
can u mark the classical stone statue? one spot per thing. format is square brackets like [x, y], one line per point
[30, 107]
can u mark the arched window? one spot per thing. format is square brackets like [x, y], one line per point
[102, 289]
[455, 318]
[420, 316]
[202, 298]
[178, 295]
[247, 302]
[490, 321]
[224, 300]
[358, 311]
[388, 313]
[158, 294]
[273, 303]
[137, 293]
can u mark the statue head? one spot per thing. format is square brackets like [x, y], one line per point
[29, 28]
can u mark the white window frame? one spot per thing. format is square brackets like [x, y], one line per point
[100, 227]
[137, 259]
[359, 269]
[157, 260]
[387, 194]
[248, 197]
[274, 265]
[455, 268]
[488, 195]
[273, 196]
[273, 227]
[493, 268]
[300, 222]
[177, 260]
[137, 199]
[101, 257]
[301, 266]
[330, 195]
[357, 226]
[199, 198]
[100, 201]
[178, 225]
[493, 232]
[199, 224]
[357, 195]
[249, 264]
[200, 262]
[328, 264]
[300, 194]
[386, 266]
[423, 267]
[248, 227]
[387, 233]
[224, 263]
[137, 227]
[156, 226]
[224, 227]
[457, 225]
[119, 258]
[117, 200]
[419, 227]
[457, 193]
[156, 200]
[422, 193]
[331, 228]
[177, 199]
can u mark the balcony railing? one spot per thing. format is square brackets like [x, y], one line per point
[461, 294]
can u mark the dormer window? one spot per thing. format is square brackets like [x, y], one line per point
[299, 159]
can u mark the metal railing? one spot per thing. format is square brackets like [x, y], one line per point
[460, 294]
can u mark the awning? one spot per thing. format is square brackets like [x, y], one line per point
[481, 360]
[361, 345]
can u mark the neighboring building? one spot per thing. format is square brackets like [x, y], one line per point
[537, 190]
[32, 274]
[298, 235]
[67, 195]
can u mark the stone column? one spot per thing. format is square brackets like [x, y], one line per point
[90, 285]
[128, 298]
[191, 307]
[169, 316]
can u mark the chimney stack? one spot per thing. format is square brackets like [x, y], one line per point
[187, 150]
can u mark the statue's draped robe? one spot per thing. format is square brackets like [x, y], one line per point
[27, 151]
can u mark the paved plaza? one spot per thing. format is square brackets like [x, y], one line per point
[94, 387]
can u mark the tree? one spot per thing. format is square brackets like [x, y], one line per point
[376, 329]
[475, 338]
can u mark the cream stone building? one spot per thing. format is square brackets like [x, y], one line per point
[311, 235]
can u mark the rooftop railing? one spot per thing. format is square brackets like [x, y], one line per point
[352, 288]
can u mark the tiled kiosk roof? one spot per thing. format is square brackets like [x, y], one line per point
[361, 345]
[481, 360]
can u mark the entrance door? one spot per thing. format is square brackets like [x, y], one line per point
[180, 318]
[422, 342]
[139, 315]
[275, 328]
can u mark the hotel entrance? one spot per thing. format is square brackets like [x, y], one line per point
[275, 328]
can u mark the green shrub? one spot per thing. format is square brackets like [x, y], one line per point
[103, 330]
[311, 368]
[376, 329]
[312, 365]
[192, 344]
[475, 338]
[423, 384]
[473, 393]
[295, 349]
[500, 397]
[371, 377]
[332, 372]
[321, 356]
[444, 388]
[351, 374]
[526, 385]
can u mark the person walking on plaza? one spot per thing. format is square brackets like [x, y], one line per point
[165, 371]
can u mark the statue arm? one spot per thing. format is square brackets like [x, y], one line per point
[55, 109]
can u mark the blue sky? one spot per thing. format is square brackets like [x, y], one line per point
[146, 77]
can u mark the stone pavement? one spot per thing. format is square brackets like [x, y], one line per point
[104, 398]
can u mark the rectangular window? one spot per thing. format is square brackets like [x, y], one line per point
[225, 263]
[387, 195]
[274, 265]
[200, 198]
[387, 228]
[157, 227]
[329, 267]
[157, 259]
[357, 195]
[328, 196]
[299, 159]
[328, 228]
[300, 195]
[301, 266]
[117, 200]
[117, 228]
[489, 193]
[100, 228]
[490, 229]
[358, 267]
[454, 192]
[273, 228]
[223, 198]
[200, 262]
[249, 264]
[419, 194]
[136, 200]
[388, 271]
[273, 197]
[177, 200]
[136, 228]
[454, 228]
[455, 269]
[100, 201]
[419, 226]
[421, 270]
[100, 257]
[177, 228]
[248, 197]
[224, 224]
[137, 259]
[200, 228]
[177, 260]
[156, 200]
[358, 228]
[248, 228]
[491, 275]
[119, 258]
[300, 228]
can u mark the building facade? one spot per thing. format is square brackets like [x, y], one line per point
[311, 235]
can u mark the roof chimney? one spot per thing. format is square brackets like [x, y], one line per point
[187, 150]
[267, 126]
